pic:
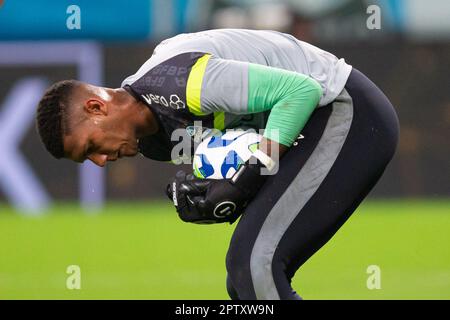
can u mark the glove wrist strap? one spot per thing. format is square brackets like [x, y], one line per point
[248, 178]
[267, 161]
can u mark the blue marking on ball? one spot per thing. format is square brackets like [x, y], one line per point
[206, 168]
[217, 141]
[232, 160]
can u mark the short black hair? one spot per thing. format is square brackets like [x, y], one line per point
[52, 116]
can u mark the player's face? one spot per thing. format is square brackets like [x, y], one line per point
[100, 141]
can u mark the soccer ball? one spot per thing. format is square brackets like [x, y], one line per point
[220, 156]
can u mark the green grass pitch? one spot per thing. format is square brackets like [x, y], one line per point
[143, 251]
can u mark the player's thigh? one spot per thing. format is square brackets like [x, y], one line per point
[249, 226]
[368, 148]
[319, 185]
[256, 212]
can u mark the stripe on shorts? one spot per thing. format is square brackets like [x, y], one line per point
[298, 193]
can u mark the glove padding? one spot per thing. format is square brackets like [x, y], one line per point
[185, 191]
[206, 201]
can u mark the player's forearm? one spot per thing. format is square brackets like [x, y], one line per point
[272, 148]
[292, 97]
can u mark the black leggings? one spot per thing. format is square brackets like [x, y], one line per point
[321, 181]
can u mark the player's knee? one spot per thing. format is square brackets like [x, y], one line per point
[232, 293]
[239, 280]
[246, 274]
[238, 265]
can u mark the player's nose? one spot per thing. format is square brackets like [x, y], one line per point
[99, 159]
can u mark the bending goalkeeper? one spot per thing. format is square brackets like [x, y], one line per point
[292, 195]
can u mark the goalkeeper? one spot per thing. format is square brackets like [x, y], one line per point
[331, 128]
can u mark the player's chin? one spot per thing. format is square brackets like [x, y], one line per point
[128, 152]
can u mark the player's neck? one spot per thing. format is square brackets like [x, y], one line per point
[140, 115]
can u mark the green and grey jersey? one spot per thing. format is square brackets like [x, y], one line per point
[235, 78]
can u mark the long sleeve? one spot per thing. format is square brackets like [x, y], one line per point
[219, 85]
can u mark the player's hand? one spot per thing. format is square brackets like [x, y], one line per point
[183, 190]
[215, 201]
[205, 200]
[222, 201]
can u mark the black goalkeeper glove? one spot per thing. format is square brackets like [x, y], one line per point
[215, 201]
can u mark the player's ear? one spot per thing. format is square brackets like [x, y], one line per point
[95, 106]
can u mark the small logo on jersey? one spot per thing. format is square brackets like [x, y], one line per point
[192, 130]
[198, 132]
[176, 102]
[298, 138]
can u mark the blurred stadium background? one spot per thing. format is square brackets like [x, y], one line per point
[116, 224]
